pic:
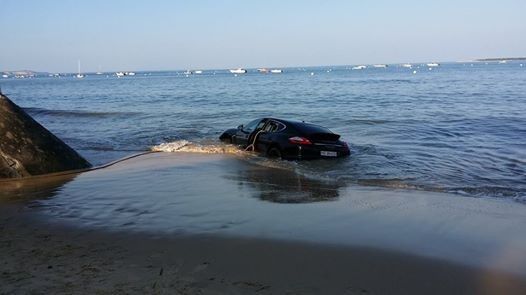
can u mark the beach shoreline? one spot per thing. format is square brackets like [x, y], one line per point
[381, 242]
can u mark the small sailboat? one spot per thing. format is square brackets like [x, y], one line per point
[79, 75]
[119, 74]
[238, 71]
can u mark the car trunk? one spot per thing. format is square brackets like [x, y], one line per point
[324, 137]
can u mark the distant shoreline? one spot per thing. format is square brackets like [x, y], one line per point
[501, 58]
[35, 72]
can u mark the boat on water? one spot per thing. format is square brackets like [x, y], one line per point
[122, 74]
[433, 64]
[198, 72]
[5, 76]
[380, 66]
[238, 71]
[276, 71]
[359, 67]
[263, 70]
[407, 66]
[79, 75]
[502, 61]
[187, 72]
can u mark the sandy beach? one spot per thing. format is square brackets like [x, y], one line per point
[42, 260]
[379, 241]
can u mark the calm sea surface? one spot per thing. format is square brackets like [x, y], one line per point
[457, 128]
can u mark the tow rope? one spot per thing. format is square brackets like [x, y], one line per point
[252, 146]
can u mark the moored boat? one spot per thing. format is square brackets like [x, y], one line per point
[238, 71]
[79, 75]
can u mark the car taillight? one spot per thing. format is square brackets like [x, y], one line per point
[299, 140]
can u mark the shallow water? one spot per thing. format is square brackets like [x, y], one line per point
[456, 128]
[226, 195]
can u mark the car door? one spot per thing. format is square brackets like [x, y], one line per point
[244, 132]
[265, 139]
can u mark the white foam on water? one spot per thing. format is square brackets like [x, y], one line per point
[190, 147]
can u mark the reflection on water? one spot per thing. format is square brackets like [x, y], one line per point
[33, 188]
[182, 192]
[285, 186]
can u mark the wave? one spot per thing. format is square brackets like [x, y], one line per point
[190, 147]
[75, 113]
[516, 194]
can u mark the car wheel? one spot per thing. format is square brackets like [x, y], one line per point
[274, 152]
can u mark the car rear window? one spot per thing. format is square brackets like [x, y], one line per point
[311, 128]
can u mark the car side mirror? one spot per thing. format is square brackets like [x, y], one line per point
[240, 127]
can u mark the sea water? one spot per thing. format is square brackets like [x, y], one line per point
[457, 128]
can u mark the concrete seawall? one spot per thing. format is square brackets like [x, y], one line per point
[27, 148]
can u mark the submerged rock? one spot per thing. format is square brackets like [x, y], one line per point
[27, 148]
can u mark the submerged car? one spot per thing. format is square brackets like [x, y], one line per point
[286, 139]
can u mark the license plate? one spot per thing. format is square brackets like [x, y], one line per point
[328, 154]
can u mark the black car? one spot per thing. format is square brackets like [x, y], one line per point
[287, 139]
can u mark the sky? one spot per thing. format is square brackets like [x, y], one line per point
[170, 35]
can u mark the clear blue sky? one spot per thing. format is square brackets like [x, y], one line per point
[159, 35]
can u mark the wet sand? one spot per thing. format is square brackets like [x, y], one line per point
[286, 234]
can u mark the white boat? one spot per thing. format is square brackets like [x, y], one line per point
[263, 70]
[129, 74]
[238, 71]
[198, 72]
[359, 67]
[407, 66]
[433, 64]
[120, 74]
[380, 66]
[502, 61]
[79, 75]
[276, 71]
[5, 76]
